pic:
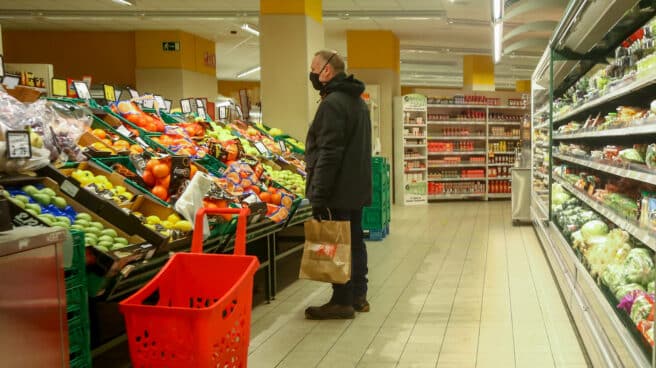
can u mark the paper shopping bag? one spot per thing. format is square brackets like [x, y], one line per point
[327, 252]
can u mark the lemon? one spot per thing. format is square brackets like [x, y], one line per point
[153, 220]
[184, 226]
[120, 189]
[166, 224]
[173, 218]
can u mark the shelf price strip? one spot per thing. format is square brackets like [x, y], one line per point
[619, 171]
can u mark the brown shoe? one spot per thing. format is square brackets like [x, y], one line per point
[330, 311]
[360, 304]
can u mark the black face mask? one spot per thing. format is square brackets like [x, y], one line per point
[314, 77]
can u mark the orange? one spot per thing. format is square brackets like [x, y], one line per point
[160, 192]
[161, 170]
[265, 197]
[272, 190]
[148, 178]
[256, 189]
[151, 164]
[276, 198]
[164, 182]
[193, 171]
[99, 133]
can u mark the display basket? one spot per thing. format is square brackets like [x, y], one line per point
[196, 311]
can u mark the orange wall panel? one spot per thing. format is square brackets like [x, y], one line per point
[204, 48]
[149, 49]
[109, 57]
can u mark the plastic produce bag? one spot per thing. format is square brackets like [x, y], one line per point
[639, 266]
[191, 200]
[642, 307]
[631, 155]
[647, 330]
[625, 289]
[627, 302]
[650, 157]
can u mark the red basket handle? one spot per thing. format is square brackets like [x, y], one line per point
[240, 238]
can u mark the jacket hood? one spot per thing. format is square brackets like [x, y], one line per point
[343, 83]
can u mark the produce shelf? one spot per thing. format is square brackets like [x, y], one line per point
[455, 196]
[542, 126]
[608, 97]
[499, 195]
[541, 175]
[644, 177]
[457, 179]
[630, 226]
[456, 138]
[456, 122]
[648, 128]
[509, 107]
[456, 165]
[463, 153]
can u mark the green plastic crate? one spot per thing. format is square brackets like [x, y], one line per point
[373, 218]
[79, 343]
[166, 117]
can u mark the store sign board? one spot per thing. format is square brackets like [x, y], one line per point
[171, 46]
[414, 101]
[59, 87]
[110, 93]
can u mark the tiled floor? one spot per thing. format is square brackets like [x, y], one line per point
[454, 285]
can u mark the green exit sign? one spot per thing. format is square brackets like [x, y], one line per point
[171, 46]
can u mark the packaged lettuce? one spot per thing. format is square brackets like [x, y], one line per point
[651, 287]
[650, 156]
[627, 302]
[642, 306]
[631, 155]
[623, 290]
[613, 277]
[639, 266]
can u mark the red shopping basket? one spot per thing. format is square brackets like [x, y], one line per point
[196, 311]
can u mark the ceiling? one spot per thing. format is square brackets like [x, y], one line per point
[434, 34]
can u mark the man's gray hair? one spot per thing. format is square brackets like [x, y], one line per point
[333, 59]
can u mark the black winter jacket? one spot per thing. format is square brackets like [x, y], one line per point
[338, 148]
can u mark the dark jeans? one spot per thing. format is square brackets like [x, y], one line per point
[345, 294]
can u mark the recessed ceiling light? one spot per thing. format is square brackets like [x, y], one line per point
[248, 71]
[250, 29]
[125, 2]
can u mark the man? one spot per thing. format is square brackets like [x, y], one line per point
[338, 155]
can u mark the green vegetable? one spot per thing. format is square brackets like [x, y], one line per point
[651, 287]
[625, 289]
[594, 228]
[639, 266]
[641, 308]
[613, 277]
[650, 157]
[631, 155]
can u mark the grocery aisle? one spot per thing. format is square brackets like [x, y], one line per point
[454, 285]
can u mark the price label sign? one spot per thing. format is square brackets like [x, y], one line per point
[185, 105]
[223, 113]
[10, 81]
[167, 105]
[125, 131]
[149, 102]
[261, 148]
[133, 93]
[59, 87]
[18, 144]
[110, 93]
[160, 103]
[200, 103]
[282, 145]
[82, 90]
[201, 113]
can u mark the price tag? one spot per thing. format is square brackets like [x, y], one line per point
[261, 148]
[167, 105]
[141, 142]
[110, 93]
[133, 93]
[125, 131]
[160, 103]
[82, 90]
[201, 113]
[282, 145]
[18, 144]
[59, 87]
[149, 102]
[10, 81]
[223, 113]
[185, 105]
[69, 188]
[200, 103]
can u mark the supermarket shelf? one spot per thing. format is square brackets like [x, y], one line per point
[499, 195]
[541, 175]
[415, 158]
[413, 109]
[504, 138]
[456, 165]
[499, 177]
[607, 97]
[463, 153]
[629, 226]
[542, 145]
[415, 125]
[539, 204]
[455, 196]
[501, 164]
[414, 146]
[446, 106]
[414, 137]
[449, 122]
[644, 177]
[510, 107]
[649, 128]
[542, 126]
[504, 153]
[457, 138]
[457, 179]
[414, 170]
[505, 123]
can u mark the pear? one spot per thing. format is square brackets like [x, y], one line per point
[49, 192]
[42, 198]
[34, 207]
[30, 189]
[59, 202]
[23, 198]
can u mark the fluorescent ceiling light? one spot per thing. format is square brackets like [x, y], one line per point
[125, 2]
[249, 71]
[497, 10]
[498, 35]
[250, 29]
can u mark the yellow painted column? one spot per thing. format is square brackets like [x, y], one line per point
[374, 57]
[478, 73]
[523, 86]
[291, 32]
[175, 64]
